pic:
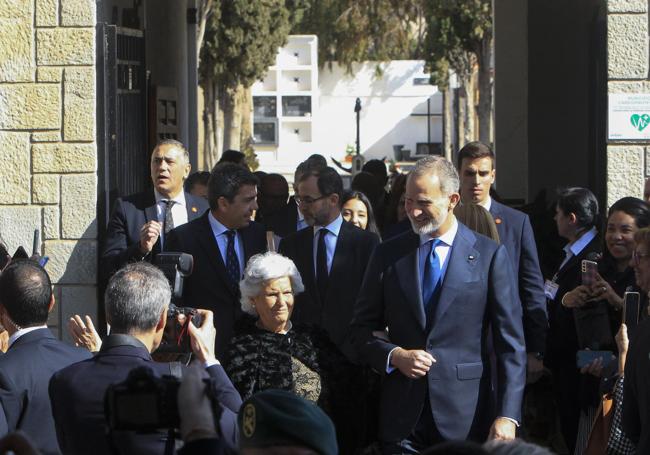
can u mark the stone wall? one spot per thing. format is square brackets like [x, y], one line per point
[628, 164]
[48, 139]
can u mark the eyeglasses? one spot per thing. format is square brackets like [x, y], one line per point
[308, 200]
[636, 256]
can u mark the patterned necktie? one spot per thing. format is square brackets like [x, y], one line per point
[431, 278]
[169, 220]
[232, 263]
[322, 275]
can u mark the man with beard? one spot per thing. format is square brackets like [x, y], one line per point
[437, 290]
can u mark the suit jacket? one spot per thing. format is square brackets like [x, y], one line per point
[562, 341]
[477, 292]
[636, 395]
[77, 396]
[516, 234]
[285, 221]
[351, 255]
[28, 365]
[209, 286]
[122, 243]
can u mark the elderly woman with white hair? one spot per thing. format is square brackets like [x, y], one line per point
[267, 351]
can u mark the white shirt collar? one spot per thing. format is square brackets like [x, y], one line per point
[576, 247]
[487, 204]
[217, 227]
[447, 238]
[179, 199]
[21, 332]
[334, 227]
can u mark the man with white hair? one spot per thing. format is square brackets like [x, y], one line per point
[438, 290]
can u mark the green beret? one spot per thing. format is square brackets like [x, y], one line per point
[281, 418]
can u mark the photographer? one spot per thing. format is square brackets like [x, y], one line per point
[136, 300]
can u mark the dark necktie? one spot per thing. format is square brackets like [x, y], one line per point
[232, 263]
[322, 276]
[431, 279]
[169, 220]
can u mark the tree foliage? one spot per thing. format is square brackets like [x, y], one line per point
[352, 31]
[241, 40]
[455, 33]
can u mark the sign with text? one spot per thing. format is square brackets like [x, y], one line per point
[629, 116]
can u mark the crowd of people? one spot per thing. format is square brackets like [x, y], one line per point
[407, 314]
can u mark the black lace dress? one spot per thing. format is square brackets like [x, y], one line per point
[302, 361]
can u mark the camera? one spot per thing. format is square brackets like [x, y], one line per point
[145, 402]
[175, 345]
[176, 267]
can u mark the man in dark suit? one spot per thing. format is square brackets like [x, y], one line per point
[437, 291]
[576, 217]
[34, 354]
[136, 300]
[477, 174]
[331, 255]
[140, 222]
[221, 242]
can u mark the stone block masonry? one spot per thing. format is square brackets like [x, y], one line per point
[628, 66]
[48, 138]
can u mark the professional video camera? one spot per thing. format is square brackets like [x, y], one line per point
[148, 403]
[175, 345]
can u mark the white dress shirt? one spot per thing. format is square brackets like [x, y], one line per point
[219, 232]
[442, 250]
[179, 211]
[486, 204]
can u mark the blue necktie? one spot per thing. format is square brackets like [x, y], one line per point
[431, 278]
[232, 263]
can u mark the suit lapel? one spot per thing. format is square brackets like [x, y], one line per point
[305, 258]
[408, 275]
[461, 262]
[341, 257]
[151, 214]
[247, 243]
[193, 211]
[206, 238]
[495, 211]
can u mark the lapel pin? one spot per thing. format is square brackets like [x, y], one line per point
[194, 209]
[470, 257]
[497, 220]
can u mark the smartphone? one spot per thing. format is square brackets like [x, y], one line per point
[631, 303]
[589, 271]
[585, 357]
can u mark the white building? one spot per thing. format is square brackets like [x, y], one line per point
[301, 109]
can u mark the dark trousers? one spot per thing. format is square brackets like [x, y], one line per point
[566, 385]
[424, 435]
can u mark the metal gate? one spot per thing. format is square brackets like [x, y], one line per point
[122, 116]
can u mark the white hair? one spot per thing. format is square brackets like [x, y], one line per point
[262, 268]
